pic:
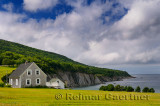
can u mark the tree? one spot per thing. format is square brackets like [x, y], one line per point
[145, 89]
[117, 88]
[125, 88]
[138, 89]
[103, 88]
[151, 90]
[129, 89]
[8, 62]
[110, 87]
[1, 58]
[5, 78]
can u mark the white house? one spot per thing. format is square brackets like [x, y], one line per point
[55, 83]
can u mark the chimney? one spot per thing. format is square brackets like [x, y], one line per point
[26, 62]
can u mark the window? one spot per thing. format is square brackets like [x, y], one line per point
[38, 81]
[29, 72]
[28, 81]
[57, 81]
[37, 72]
[11, 82]
[16, 81]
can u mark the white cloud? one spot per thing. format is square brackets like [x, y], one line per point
[34, 5]
[9, 7]
[82, 36]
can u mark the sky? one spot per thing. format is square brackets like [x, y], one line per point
[119, 34]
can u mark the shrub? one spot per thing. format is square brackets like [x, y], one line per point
[9, 86]
[117, 88]
[102, 88]
[122, 88]
[39, 86]
[125, 88]
[129, 89]
[110, 87]
[151, 90]
[5, 85]
[2, 84]
[5, 77]
[65, 85]
[138, 89]
[145, 89]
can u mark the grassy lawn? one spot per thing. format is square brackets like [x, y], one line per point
[47, 97]
[4, 70]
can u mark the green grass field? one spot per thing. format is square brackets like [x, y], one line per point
[4, 70]
[51, 97]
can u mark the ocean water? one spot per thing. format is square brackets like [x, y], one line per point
[142, 80]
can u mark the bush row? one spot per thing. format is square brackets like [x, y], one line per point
[4, 85]
[111, 87]
[39, 86]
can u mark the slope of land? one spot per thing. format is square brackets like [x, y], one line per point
[4, 71]
[75, 73]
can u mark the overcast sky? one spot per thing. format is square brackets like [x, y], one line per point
[120, 34]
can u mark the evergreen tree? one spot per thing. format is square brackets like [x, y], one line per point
[117, 88]
[125, 88]
[138, 89]
[151, 90]
[129, 89]
[110, 87]
[145, 89]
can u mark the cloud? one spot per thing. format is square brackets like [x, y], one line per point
[82, 35]
[9, 7]
[135, 36]
[35, 5]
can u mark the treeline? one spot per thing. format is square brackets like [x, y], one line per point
[14, 54]
[111, 87]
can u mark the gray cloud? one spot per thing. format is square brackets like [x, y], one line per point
[35, 5]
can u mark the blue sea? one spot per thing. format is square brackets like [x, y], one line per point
[142, 80]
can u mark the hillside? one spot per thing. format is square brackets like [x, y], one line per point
[4, 71]
[29, 51]
[14, 54]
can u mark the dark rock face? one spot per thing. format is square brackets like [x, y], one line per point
[82, 79]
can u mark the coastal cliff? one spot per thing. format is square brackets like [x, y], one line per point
[78, 79]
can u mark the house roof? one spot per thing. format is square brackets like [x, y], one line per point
[54, 79]
[20, 70]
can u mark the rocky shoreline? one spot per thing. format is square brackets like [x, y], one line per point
[82, 79]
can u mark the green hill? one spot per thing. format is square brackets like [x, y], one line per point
[29, 51]
[14, 54]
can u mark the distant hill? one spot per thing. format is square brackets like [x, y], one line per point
[14, 54]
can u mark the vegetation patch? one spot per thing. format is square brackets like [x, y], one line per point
[111, 87]
[4, 70]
